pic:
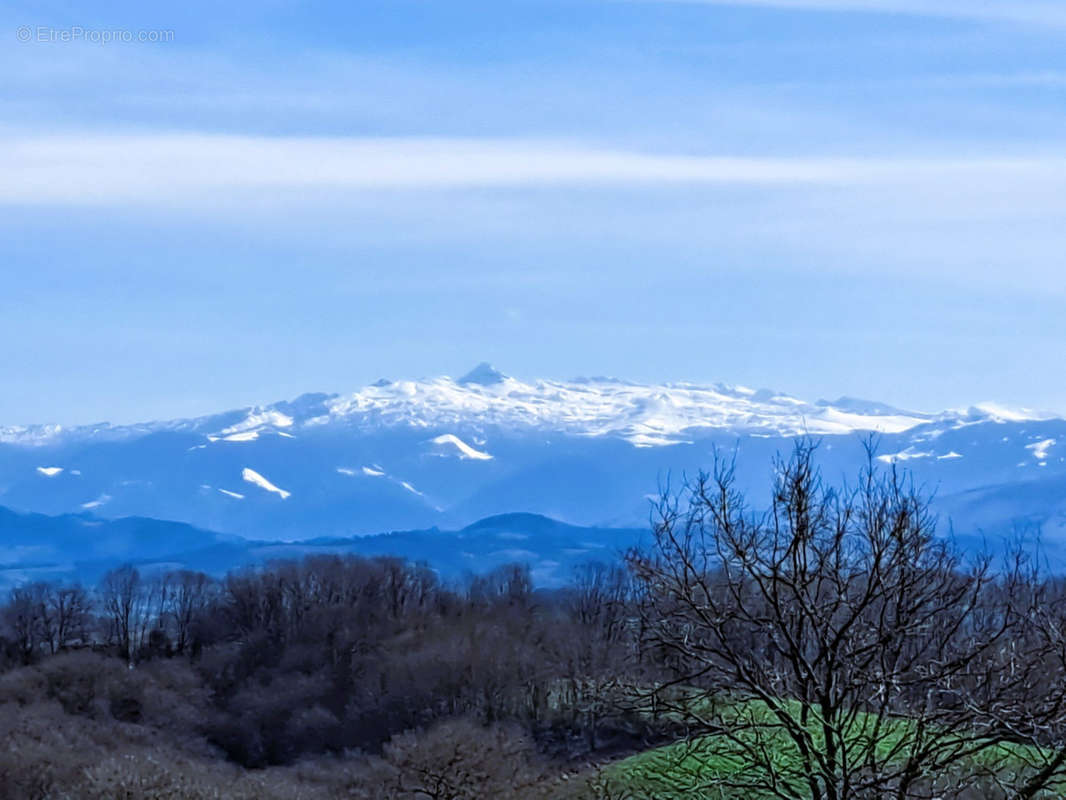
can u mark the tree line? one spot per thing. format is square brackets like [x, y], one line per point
[340, 652]
[127, 613]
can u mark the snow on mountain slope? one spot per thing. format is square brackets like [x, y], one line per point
[1040, 449]
[251, 476]
[644, 415]
[448, 444]
[441, 451]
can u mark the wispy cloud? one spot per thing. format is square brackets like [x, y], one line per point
[1030, 12]
[161, 169]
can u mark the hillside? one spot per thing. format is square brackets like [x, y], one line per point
[82, 547]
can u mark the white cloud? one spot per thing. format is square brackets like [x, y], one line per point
[1029, 12]
[166, 169]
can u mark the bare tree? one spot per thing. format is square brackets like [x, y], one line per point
[461, 760]
[122, 601]
[1029, 701]
[190, 595]
[26, 618]
[831, 647]
[69, 612]
[509, 582]
[601, 597]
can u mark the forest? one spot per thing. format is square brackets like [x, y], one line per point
[832, 646]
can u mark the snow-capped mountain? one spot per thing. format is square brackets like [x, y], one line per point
[404, 454]
[644, 415]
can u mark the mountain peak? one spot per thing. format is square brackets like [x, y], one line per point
[484, 374]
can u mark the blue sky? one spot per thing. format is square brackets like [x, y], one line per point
[863, 197]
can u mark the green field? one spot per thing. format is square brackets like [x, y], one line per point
[720, 767]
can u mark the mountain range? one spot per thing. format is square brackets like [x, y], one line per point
[443, 453]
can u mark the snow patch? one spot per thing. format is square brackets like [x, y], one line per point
[1001, 413]
[49, 472]
[1040, 449]
[368, 471]
[650, 440]
[246, 436]
[32, 435]
[461, 448]
[260, 419]
[905, 455]
[251, 476]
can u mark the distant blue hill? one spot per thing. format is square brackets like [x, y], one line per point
[81, 547]
[38, 543]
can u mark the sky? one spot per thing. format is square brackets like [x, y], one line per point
[207, 206]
